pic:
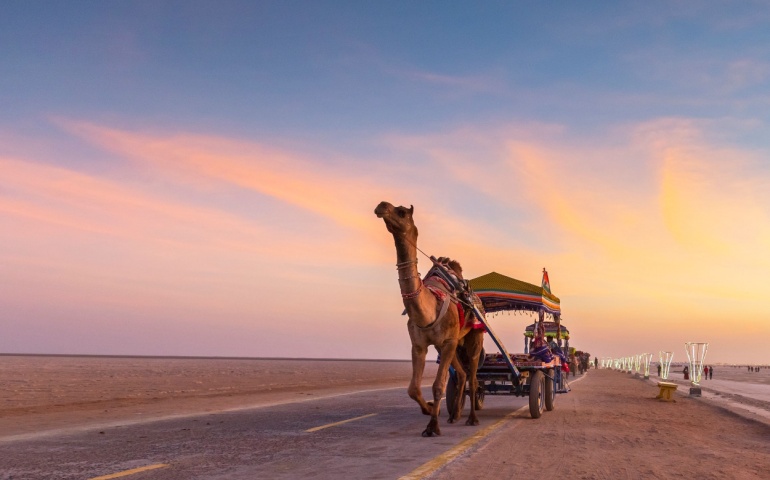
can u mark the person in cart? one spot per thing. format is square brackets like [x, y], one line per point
[553, 345]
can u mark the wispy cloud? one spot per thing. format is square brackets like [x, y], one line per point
[468, 83]
[213, 161]
[638, 210]
[659, 222]
[664, 218]
[81, 202]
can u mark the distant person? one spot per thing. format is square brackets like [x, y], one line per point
[596, 362]
[686, 372]
[705, 373]
[659, 367]
[711, 373]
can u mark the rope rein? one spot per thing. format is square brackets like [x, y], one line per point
[416, 293]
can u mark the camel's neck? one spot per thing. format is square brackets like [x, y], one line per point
[406, 250]
[419, 303]
[406, 262]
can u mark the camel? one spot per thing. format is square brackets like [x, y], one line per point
[431, 322]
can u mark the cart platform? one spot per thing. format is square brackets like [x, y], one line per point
[495, 360]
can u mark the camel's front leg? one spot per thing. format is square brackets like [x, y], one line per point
[447, 355]
[418, 366]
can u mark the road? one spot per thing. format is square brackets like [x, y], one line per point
[372, 434]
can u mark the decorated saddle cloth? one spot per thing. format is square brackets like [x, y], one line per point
[441, 290]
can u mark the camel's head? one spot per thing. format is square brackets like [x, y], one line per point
[398, 220]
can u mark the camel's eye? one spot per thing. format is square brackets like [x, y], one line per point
[401, 213]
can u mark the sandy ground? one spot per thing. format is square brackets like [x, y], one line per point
[52, 393]
[611, 427]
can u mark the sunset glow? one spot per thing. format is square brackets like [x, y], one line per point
[224, 206]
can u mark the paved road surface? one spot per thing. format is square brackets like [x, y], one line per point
[381, 440]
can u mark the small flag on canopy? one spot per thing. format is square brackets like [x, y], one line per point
[546, 283]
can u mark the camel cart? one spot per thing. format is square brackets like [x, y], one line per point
[537, 373]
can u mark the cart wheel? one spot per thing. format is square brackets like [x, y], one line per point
[537, 394]
[549, 390]
[451, 395]
[480, 398]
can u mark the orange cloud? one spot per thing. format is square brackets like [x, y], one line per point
[77, 201]
[104, 236]
[712, 202]
[658, 229]
[326, 191]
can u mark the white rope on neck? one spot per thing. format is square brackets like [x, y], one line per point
[401, 265]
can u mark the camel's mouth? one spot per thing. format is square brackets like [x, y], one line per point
[397, 219]
[382, 209]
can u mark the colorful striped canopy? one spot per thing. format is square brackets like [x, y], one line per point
[498, 293]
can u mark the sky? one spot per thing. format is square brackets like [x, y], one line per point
[199, 178]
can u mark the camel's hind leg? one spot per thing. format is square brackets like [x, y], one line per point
[474, 342]
[459, 391]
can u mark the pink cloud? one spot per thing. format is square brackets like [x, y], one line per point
[656, 223]
[329, 192]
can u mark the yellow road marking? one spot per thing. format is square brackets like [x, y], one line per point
[435, 463]
[315, 429]
[130, 472]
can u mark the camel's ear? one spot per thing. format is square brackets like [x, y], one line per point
[411, 210]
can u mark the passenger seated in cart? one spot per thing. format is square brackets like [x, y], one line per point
[542, 352]
[557, 351]
[553, 345]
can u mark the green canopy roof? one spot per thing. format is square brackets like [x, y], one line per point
[550, 330]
